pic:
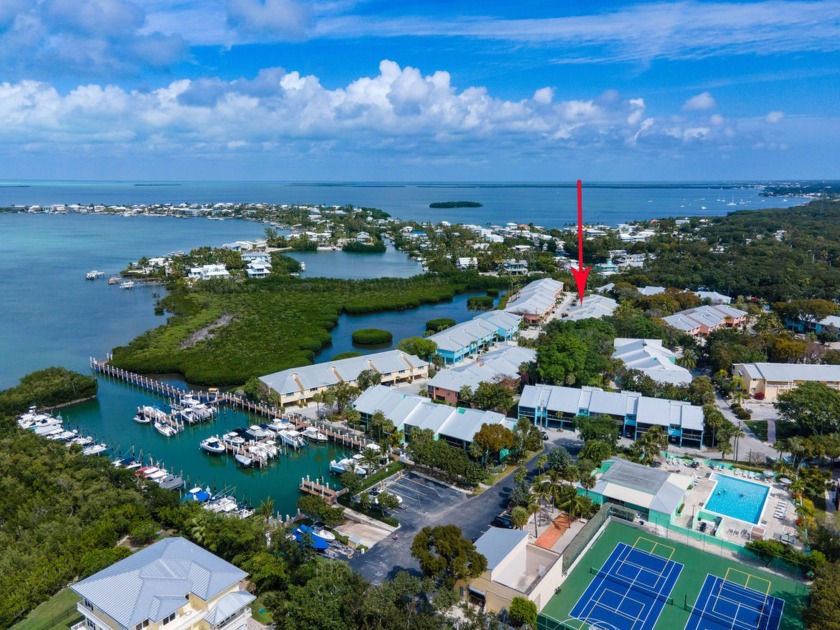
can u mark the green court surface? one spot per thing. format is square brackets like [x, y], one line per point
[697, 565]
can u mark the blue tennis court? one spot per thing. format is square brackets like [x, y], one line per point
[725, 605]
[629, 591]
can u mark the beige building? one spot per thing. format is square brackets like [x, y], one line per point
[515, 568]
[765, 381]
[171, 585]
[300, 384]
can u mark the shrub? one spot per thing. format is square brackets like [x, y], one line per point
[523, 611]
[144, 532]
[759, 396]
[372, 336]
[441, 323]
[346, 355]
[479, 303]
[493, 292]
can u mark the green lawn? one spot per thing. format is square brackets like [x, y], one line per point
[263, 617]
[784, 429]
[58, 613]
[696, 565]
[759, 427]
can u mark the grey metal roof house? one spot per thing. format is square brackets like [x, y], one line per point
[594, 306]
[651, 358]
[536, 299]
[551, 405]
[173, 579]
[704, 319]
[457, 426]
[771, 379]
[301, 383]
[500, 364]
[473, 336]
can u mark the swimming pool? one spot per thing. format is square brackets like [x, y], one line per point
[737, 498]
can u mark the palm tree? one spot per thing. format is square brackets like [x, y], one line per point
[688, 360]
[533, 508]
[371, 459]
[578, 506]
[588, 482]
[519, 516]
[542, 461]
[738, 389]
[649, 445]
[266, 509]
[737, 434]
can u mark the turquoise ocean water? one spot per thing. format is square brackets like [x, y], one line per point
[52, 316]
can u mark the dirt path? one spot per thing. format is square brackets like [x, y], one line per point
[206, 332]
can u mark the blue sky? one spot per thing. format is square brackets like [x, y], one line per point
[376, 90]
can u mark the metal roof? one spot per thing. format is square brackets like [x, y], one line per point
[535, 298]
[709, 316]
[502, 363]
[419, 412]
[652, 359]
[594, 306]
[156, 581]
[594, 401]
[228, 605]
[791, 372]
[331, 373]
[641, 485]
[496, 544]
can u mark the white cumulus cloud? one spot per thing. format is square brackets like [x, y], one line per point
[774, 117]
[702, 101]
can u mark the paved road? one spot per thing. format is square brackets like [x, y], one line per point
[427, 502]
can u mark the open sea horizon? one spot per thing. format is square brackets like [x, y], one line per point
[549, 204]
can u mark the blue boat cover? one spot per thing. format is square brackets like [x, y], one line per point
[317, 542]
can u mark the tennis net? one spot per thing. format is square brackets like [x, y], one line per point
[631, 584]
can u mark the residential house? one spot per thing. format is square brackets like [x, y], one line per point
[258, 268]
[713, 297]
[300, 384]
[536, 300]
[173, 584]
[767, 381]
[647, 291]
[455, 425]
[464, 263]
[515, 568]
[703, 320]
[209, 272]
[501, 365]
[652, 359]
[476, 335]
[634, 414]
[514, 267]
[830, 324]
[594, 306]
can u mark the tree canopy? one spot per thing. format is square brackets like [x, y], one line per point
[446, 556]
[815, 407]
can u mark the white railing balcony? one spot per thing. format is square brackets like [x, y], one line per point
[88, 613]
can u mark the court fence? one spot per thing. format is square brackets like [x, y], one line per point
[591, 530]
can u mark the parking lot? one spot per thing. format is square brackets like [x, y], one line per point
[428, 502]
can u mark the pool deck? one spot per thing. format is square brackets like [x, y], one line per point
[770, 526]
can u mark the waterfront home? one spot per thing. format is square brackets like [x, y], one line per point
[209, 272]
[408, 412]
[300, 384]
[766, 381]
[536, 300]
[554, 406]
[515, 568]
[464, 263]
[703, 320]
[647, 291]
[594, 306]
[514, 267]
[471, 337]
[497, 366]
[656, 495]
[651, 358]
[258, 269]
[171, 584]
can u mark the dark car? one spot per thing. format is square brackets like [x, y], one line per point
[544, 435]
[503, 520]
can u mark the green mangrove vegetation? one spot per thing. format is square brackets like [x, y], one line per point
[46, 388]
[455, 204]
[480, 303]
[441, 323]
[372, 337]
[270, 324]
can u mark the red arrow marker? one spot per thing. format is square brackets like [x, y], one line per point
[581, 274]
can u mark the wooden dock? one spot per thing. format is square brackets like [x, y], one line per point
[313, 487]
[344, 437]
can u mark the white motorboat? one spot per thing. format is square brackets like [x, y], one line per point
[314, 435]
[243, 460]
[319, 530]
[256, 432]
[157, 475]
[95, 449]
[41, 421]
[53, 429]
[292, 438]
[233, 439]
[127, 284]
[212, 445]
[93, 275]
[165, 429]
[64, 436]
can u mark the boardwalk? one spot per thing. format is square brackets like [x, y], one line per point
[314, 487]
[344, 437]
